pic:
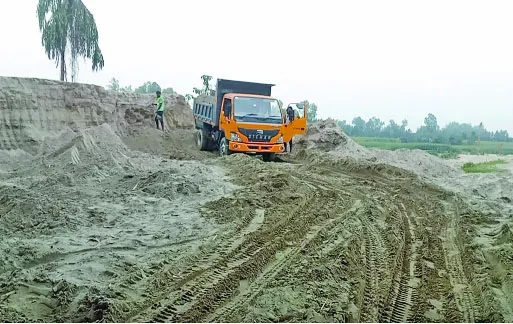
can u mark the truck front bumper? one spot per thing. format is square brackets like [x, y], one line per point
[257, 147]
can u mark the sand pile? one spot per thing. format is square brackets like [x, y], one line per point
[32, 110]
[327, 137]
[81, 205]
[206, 99]
[66, 163]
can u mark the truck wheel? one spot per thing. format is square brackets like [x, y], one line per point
[268, 157]
[224, 147]
[201, 140]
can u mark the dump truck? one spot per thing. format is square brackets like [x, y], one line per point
[243, 117]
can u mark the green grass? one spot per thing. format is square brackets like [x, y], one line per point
[484, 167]
[442, 150]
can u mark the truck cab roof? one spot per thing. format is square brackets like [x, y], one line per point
[232, 95]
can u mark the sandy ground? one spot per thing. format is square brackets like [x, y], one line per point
[92, 212]
[107, 223]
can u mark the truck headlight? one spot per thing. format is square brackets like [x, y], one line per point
[235, 137]
[280, 140]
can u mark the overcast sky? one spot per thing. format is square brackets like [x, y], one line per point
[390, 59]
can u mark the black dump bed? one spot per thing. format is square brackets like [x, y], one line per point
[209, 112]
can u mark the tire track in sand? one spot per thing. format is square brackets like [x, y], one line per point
[197, 266]
[271, 271]
[403, 295]
[376, 264]
[212, 269]
[464, 299]
[256, 255]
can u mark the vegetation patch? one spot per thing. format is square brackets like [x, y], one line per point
[484, 167]
[440, 149]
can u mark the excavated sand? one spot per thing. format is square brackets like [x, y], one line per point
[327, 137]
[104, 218]
[78, 207]
[489, 196]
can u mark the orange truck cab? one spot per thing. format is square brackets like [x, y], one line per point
[245, 118]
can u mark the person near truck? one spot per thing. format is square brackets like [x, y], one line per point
[159, 114]
[289, 117]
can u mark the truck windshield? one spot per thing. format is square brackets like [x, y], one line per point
[250, 109]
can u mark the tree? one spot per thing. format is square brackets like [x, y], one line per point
[453, 133]
[430, 131]
[348, 129]
[127, 89]
[404, 124]
[68, 25]
[148, 87]
[431, 123]
[206, 89]
[312, 111]
[358, 126]
[113, 85]
[392, 130]
[374, 126]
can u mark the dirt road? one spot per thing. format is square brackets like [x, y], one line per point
[118, 223]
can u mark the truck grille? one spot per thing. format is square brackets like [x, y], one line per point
[258, 135]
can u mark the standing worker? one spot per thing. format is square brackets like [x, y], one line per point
[159, 115]
[289, 118]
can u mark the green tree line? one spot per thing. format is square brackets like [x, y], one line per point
[147, 87]
[453, 133]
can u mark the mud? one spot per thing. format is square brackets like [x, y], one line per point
[112, 220]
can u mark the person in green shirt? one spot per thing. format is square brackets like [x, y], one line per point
[159, 114]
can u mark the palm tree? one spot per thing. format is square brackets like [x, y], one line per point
[68, 25]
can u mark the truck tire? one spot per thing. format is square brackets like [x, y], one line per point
[202, 139]
[268, 157]
[224, 147]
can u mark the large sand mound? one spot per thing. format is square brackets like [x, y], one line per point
[328, 139]
[325, 136]
[82, 197]
[32, 110]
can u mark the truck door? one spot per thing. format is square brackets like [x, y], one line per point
[226, 114]
[298, 124]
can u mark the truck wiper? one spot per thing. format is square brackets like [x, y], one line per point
[252, 114]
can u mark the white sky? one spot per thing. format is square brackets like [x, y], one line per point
[390, 59]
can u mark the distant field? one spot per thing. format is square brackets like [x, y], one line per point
[444, 150]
